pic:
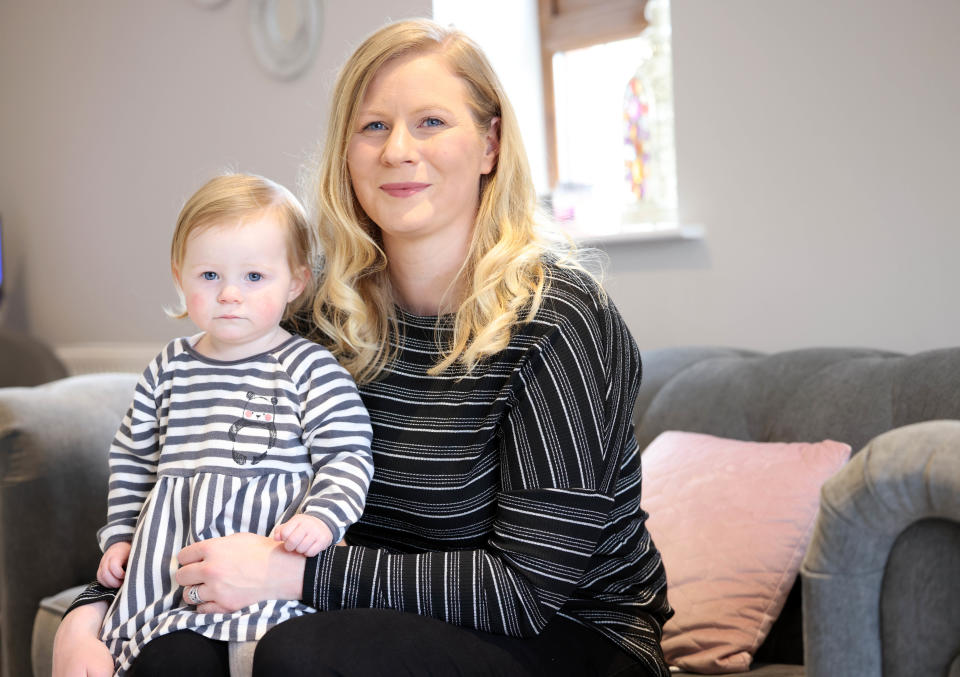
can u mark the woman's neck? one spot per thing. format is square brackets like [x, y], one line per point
[423, 273]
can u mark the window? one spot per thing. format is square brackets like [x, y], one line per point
[567, 66]
[608, 87]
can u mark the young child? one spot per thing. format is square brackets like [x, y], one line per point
[240, 428]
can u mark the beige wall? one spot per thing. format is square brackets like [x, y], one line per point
[111, 114]
[817, 143]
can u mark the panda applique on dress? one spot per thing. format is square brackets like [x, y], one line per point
[259, 414]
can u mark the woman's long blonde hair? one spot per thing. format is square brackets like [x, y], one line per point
[503, 274]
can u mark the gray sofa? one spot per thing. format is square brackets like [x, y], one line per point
[881, 581]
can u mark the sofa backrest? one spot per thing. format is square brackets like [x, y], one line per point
[847, 394]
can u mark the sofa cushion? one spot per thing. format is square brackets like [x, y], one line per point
[732, 520]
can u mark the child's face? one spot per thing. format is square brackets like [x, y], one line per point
[236, 280]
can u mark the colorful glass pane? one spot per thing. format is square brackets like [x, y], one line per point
[636, 118]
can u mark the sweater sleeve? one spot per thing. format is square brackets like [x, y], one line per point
[558, 458]
[133, 458]
[336, 430]
[94, 592]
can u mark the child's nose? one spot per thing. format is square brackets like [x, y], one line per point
[229, 293]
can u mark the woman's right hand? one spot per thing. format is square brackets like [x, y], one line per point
[239, 570]
[77, 649]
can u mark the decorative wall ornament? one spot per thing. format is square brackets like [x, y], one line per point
[285, 35]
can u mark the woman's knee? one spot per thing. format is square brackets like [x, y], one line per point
[291, 648]
[338, 643]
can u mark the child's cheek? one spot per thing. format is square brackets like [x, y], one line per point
[267, 307]
[196, 302]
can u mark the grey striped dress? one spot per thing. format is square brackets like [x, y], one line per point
[211, 448]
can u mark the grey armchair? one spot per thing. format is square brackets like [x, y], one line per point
[898, 553]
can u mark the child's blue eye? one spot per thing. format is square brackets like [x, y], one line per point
[254, 277]
[208, 275]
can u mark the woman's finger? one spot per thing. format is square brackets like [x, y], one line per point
[195, 552]
[191, 574]
[211, 608]
[197, 595]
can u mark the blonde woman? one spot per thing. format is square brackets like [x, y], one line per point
[503, 533]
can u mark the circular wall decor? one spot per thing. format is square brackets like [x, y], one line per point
[286, 34]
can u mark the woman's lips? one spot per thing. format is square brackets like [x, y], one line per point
[403, 189]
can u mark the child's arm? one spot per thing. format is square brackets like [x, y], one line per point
[336, 430]
[304, 534]
[113, 564]
[134, 455]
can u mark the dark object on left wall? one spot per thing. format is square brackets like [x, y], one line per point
[27, 361]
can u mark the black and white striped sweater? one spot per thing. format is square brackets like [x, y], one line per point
[506, 496]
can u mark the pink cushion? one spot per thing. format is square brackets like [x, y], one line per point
[732, 521]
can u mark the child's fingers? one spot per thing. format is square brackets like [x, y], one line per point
[294, 538]
[282, 532]
[307, 544]
[116, 568]
[107, 578]
[314, 549]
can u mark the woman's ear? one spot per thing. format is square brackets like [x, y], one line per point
[492, 150]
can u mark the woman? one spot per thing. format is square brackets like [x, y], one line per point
[503, 532]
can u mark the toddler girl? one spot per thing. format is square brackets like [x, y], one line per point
[240, 428]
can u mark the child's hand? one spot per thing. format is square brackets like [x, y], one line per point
[111, 570]
[304, 534]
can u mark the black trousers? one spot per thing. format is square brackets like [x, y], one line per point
[382, 643]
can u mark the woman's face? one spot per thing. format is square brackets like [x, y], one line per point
[416, 156]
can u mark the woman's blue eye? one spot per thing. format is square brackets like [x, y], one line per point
[254, 277]
[433, 122]
[208, 275]
[375, 127]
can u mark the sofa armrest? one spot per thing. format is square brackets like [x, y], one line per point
[53, 489]
[900, 478]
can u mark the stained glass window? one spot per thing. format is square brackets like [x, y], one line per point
[616, 163]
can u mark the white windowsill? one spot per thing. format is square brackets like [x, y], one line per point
[648, 232]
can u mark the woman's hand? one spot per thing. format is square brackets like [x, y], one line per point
[239, 570]
[77, 649]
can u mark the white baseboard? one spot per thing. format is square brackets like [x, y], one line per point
[92, 358]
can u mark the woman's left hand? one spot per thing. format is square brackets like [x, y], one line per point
[239, 570]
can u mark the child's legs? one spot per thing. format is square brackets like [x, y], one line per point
[183, 653]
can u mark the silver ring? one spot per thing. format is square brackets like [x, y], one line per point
[194, 596]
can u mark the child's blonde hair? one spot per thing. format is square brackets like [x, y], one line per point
[233, 198]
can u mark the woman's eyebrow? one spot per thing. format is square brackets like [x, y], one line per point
[419, 110]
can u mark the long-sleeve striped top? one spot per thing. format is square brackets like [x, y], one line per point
[512, 494]
[291, 410]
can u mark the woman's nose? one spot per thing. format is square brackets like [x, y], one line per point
[399, 147]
